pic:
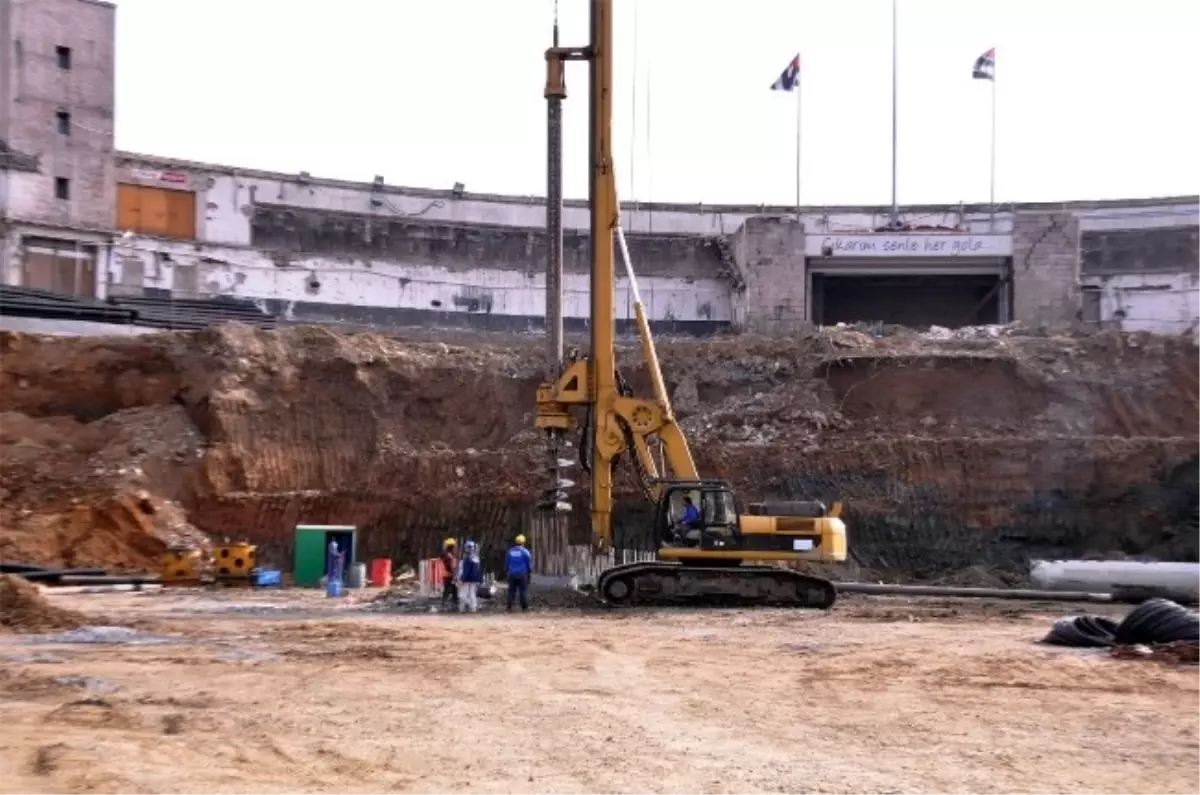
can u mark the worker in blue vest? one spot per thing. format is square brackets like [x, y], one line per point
[518, 566]
[470, 574]
[335, 559]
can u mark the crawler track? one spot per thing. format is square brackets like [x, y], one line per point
[661, 583]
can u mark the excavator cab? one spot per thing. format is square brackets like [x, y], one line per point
[715, 525]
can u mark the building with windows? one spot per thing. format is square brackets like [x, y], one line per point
[57, 185]
[80, 218]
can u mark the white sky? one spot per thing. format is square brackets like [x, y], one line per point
[1091, 95]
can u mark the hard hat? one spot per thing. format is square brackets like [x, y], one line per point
[520, 539]
[449, 542]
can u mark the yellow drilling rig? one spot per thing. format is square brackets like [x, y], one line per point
[711, 548]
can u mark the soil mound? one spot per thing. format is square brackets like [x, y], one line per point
[949, 450]
[24, 609]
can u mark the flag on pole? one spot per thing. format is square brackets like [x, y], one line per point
[789, 77]
[985, 66]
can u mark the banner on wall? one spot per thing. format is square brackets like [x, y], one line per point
[908, 245]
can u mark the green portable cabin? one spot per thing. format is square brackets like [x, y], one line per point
[311, 544]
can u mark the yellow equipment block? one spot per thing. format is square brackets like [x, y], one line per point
[182, 567]
[234, 561]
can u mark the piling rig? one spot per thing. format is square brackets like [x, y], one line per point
[726, 552]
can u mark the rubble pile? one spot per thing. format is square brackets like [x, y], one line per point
[102, 493]
[24, 609]
[975, 447]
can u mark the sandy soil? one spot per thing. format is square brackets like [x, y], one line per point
[288, 693]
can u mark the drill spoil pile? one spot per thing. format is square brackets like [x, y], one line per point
[24, 609]
[969, 452]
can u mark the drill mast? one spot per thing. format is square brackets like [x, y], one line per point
[617, 421]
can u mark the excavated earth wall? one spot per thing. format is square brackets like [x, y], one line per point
[950, 454]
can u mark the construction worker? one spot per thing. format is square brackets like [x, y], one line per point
[518, 565]
[334, 560]
[470, 574]
[450, 571]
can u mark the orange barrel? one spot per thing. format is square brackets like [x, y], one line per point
[437, 572]
[381, 572]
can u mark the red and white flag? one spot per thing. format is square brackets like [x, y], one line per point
[790, 76]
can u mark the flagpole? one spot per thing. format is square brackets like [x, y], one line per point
[799, 94]
[992, 191]
[895, 204]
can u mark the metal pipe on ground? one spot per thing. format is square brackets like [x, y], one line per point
[47, 576]
[1126, 579]
[7, 567]
[140, 587]
[881, 589]
[108, 579]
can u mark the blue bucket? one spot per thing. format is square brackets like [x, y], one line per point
[334, 588]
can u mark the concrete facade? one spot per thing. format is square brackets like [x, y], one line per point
[1168, 303]
[57, 106]
[712, 266]
[341, 251]
[1140, 279]
[334, 251]
[382, 292]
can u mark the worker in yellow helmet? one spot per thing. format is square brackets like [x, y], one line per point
[449, 572]
[518, 565]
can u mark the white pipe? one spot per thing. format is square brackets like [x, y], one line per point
[69, 589]
[628, 263]
[883, 589]
[1179, 581]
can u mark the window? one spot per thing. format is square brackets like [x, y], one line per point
[64, 122]
[62, 188]
[64, 57]
[60, 266]
[160, 212]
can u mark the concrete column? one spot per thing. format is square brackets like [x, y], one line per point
[1046, 266]
[10, 259]
[770, 252]
[103, 270]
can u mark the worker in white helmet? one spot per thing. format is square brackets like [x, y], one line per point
[470, 574]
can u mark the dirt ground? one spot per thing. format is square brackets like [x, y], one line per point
[240, 692]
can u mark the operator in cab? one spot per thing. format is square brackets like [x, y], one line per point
[518, 565]
[688, 527]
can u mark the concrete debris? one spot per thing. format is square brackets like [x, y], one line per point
[23, 608]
